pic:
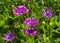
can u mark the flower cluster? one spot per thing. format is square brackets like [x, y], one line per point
[47, 12]
[30, 31]
[9, 36]
[31, 21]
[20, 10]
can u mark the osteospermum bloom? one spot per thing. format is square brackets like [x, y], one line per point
[30, 31]
[31, 21]
[9, 36]
[47, 12]
[20, 10]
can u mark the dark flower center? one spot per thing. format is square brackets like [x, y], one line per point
[10, 36]
[30, 31]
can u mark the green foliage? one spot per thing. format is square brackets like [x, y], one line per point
[48, 30]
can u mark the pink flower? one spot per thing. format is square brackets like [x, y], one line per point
[31, 21]
[47, 12]
[30, 31]
[20, 10]
[9, 36]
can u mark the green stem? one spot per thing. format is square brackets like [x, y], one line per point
[44, 34]
[11, 42]
[33, 40]
[49, 33]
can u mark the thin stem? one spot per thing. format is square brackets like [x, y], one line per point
[44, 34]
[49, 33]
[11, 42]
[33, 40]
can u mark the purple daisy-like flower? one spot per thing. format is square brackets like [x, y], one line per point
[31, 21]
[20, 10]
[30, 31]
[47, 12]
[9, 36]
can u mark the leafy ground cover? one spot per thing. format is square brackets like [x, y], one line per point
[29, 21]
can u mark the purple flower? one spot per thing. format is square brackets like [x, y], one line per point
[47, 12]
[20, 10]
[30, 31]
[31, 21]
[9, 36]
